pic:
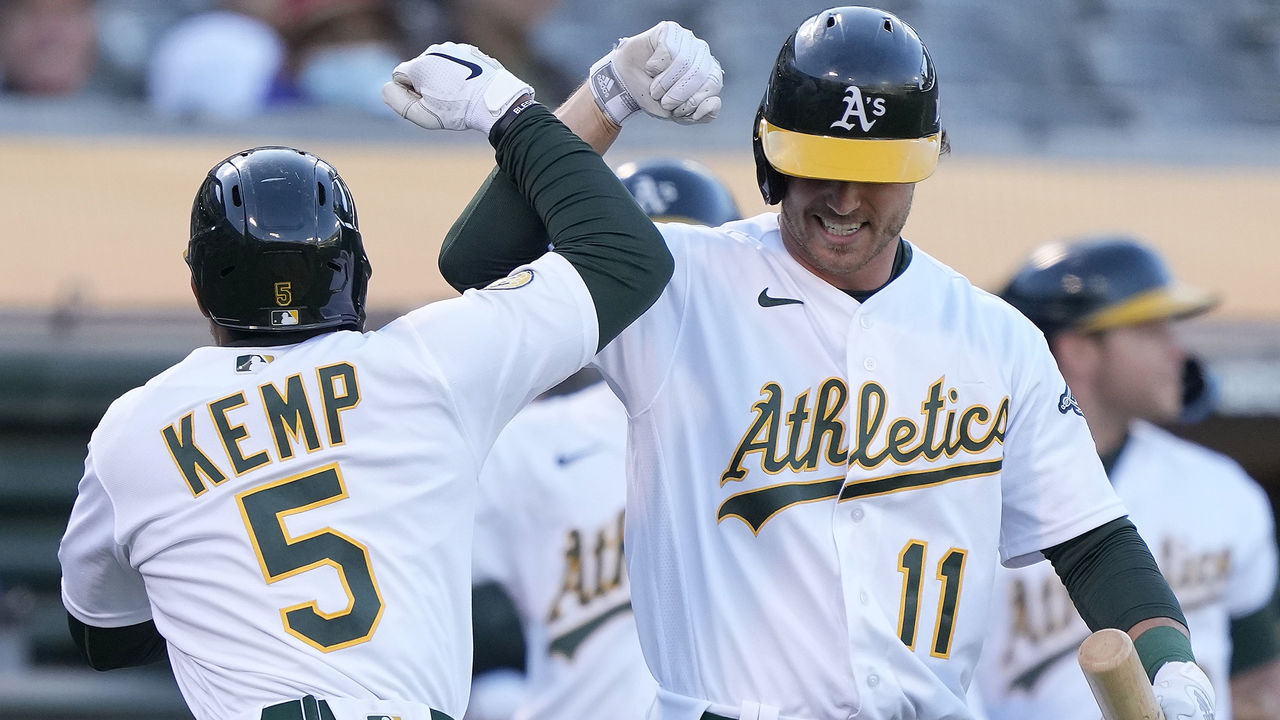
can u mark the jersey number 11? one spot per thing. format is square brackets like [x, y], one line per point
[950, 572]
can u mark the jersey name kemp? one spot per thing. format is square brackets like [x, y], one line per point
[291, 413]
[798, 439]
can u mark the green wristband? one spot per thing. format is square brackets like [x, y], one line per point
[1160, 645]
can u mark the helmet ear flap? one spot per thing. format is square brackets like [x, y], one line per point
[773, 184]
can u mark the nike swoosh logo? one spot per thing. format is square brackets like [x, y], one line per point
[474, 68]
[766, 301]
[570, 458]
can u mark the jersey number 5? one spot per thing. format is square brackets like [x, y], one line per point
[280, 556]
[950, 572]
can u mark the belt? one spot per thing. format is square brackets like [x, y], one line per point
[705, 716]
[309, 708]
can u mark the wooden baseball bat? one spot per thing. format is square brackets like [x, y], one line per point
[1115, 675]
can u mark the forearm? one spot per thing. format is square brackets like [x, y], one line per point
[113, 648]
[498, 230]
[583, 116]
[1114, 582]
[588, 215]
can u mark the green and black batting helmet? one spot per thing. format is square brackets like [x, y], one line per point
[853, 96]
[275, 245]
[679, 190]
[1097, 283]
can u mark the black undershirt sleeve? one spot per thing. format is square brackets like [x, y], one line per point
[551, 186]
[113, 648]
[1112, 577]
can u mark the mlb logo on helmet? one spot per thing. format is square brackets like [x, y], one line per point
[283, 318]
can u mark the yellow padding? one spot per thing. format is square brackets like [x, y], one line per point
[849, 159]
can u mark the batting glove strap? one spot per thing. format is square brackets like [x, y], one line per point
[1184, 692]
[453, 86]
[504, 123]
[666, 71]
[610, 93]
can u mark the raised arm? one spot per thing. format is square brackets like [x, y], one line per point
[666, 71]
[588, 214]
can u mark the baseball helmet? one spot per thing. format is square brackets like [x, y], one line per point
[853, 96]
[678, 190]
[275, 244]
[1099, 283]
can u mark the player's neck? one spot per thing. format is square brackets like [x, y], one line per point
[1109, 431]
[224, 337]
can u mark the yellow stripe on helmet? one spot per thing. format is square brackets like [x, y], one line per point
[824, 157]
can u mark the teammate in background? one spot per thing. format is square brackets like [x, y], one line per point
[831, 433]
[289, 512]
[1107, 306]
[550, 523]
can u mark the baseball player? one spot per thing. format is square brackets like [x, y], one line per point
[1106, 305]
[288, 514]
[550, 524]
[831, 433]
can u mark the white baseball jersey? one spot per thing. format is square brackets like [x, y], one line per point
[297, 519]
[550, 530]
[818, 487]
[1210, 528]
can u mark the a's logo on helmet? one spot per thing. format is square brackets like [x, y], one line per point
[284, 318]
[1067, 403]
[653, 196]
[857, 107]
[284, 293]
[520, 279]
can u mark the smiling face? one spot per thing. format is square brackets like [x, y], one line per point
[845, 232]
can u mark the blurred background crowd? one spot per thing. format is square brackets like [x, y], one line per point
[1025, 76]
[1173, 82]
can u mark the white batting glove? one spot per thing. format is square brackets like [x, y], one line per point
[452, 86]
[1184, 692]
[667, 71]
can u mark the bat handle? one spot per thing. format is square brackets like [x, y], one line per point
[1116, 677]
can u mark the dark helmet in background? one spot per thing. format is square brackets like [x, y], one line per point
[853, 96]
[679, 190]
[1098, 283]
[275, 245]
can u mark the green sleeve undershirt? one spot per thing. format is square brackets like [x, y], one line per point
[1255, 638]
[551, 188]
[1114, 582]
[496, 631]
